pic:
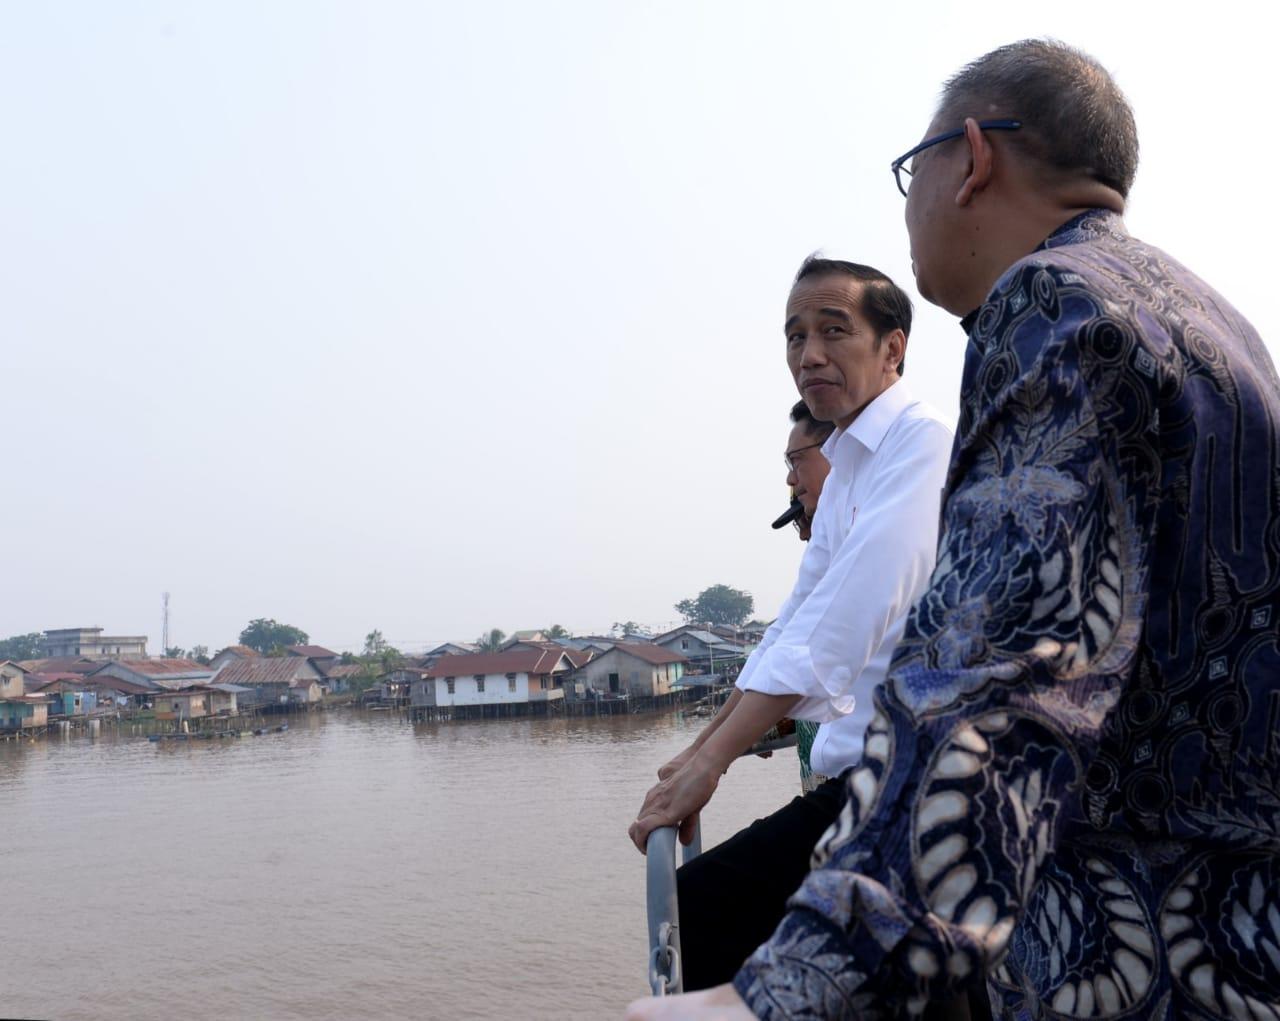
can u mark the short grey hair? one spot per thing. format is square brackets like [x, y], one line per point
[1074, 117]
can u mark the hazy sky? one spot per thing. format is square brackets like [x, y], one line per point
[434, 317]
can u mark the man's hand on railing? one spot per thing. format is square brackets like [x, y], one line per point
[676, 801]
[677, 762]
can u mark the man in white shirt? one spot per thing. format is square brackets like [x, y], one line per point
[869, 559]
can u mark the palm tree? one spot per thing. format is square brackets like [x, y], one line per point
[490, 641]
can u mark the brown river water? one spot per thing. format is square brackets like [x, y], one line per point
[357, 866]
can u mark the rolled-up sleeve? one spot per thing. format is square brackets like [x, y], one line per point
[838, 617]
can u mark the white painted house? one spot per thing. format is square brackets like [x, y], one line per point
[493, 678]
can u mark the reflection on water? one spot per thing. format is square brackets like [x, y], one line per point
[355, 866]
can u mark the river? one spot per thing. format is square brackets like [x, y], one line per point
[355, 866]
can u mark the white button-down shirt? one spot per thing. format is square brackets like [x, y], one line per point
[873, 545]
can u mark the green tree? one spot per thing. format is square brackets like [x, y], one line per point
[379, 655]
[200, 653]
[627, 627]
[719, 604]
[175, 652]
[375, 644]
[556, 631]
[22, 647]
[490, 640]
[271, 638]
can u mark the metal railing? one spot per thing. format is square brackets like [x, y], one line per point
[665, 976]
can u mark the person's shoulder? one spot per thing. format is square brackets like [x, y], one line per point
[919, 431]
[920, 420]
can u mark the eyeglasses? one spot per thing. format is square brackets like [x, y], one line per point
[790, 456]
[899, 165]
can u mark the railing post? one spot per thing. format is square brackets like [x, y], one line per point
[664, 912]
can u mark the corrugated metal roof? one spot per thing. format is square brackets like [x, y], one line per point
[266, 670]
[654, 654]
[160, 666]
[313, 651]
[62, 664]
[240, 650]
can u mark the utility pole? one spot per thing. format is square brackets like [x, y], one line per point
[164, 631]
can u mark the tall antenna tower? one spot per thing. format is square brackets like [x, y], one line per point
[164, 641]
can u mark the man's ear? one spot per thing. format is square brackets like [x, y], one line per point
[895, 345]
[981, 162]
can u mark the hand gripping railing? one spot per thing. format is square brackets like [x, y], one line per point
[664, 907]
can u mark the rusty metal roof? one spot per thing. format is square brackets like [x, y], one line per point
[514, 661]
[262, 670]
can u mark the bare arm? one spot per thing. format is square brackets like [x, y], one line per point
[706, 732]
[679, 798]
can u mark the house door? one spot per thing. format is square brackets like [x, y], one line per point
[613, 684]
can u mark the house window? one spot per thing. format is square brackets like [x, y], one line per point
[511, 682]
[542, 683]
[448, 683]
[480, 683]
[684, 643]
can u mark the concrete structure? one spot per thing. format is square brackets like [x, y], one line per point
[517, 676]
[160, 674]
[91, 642]
[641, 671]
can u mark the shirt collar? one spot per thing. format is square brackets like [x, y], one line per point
[1086, 226]
[873, 421]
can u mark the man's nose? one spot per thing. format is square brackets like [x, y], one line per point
[813, 353]
[793, 479]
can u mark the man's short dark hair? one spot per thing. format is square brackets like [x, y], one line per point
[818, 430]
[885, 305]
[1074, 117]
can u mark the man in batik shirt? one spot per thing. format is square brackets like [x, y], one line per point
[1072, 787]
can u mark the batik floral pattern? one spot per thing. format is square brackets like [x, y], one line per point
[1071, 787]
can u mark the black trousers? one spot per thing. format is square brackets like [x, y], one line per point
[733, 896]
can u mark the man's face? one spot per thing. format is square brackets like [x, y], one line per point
[809, 469]
[930, 215]
[831, 349]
